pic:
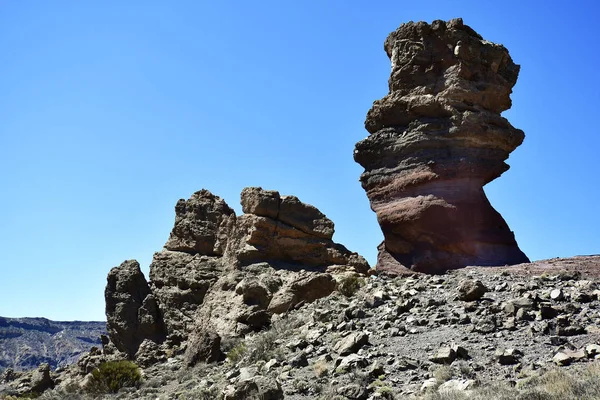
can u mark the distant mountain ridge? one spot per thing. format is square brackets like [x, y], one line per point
[27, 342]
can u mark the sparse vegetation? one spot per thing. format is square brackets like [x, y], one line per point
[556, 384]
[111, 376]
[443, 374]
[349, 285]
[321, 369]
[237, 352]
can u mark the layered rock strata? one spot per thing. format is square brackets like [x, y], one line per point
[435, 140]
[224, 275]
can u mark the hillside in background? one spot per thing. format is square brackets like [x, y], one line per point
[27, 342]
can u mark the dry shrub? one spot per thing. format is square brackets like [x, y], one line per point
[111, 376]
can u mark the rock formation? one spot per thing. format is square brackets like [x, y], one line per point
[224, 275]
[131, 310]
[435, 140]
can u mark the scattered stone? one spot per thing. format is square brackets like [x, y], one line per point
[456, 385]
[351, 343]
[299, 360]
[557, 294]
[566, 357]
[508, 356]
[204, 346]
[592, 349]
[445, 355]
[470, 290]
[353, 391]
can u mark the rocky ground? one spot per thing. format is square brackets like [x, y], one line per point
[402, 337]
[25, 343]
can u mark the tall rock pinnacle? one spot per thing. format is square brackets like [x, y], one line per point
[435, 140]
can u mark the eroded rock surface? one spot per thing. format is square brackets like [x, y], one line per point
[284, 231]
[132, 313]
[233, 272]
[435, 140]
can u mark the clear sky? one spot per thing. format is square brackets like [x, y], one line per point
[110, 111]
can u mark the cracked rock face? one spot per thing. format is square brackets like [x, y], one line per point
[233, 271]
[283, 230]
[435, 140]
[131, 310]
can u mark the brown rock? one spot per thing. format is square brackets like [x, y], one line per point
[204, 346]
[234, 272]
[285, 232]
[436, 139]
[471, 290]
[351, 343]
[287, 209]
[307, 287]
[202, 225]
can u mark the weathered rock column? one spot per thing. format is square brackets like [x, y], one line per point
[435, 140]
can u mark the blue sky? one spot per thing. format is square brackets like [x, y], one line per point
[111, 111]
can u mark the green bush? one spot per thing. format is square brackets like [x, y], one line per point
[349, 285]
[237, 352]
[111, 376]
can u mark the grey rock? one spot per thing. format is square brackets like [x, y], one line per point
[566, 357]
[257, 388]
[508, 356]
[351, 343]
[203, 346]
[444, 355]
[180, 281]
[351, 362]
[353, 391]
[131, 311]
[557, 294]
[299, 360]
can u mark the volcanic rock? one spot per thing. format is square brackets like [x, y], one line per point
[204, 346]
[202, 225]
[235, 272]
[285, 232]
[470, 290]
[180, 281]
[435, 140]
[131, 311]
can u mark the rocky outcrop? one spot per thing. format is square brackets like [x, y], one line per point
[435, 140]
[131, 310]
[283, 231]
[180, 281]
[233, 272]
[202, 224]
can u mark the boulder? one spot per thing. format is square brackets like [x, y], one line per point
[255, 388]
[287, 209]
[286, 233]
[351, 343]
[471, 290]
[203, 346]
[435, 140]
